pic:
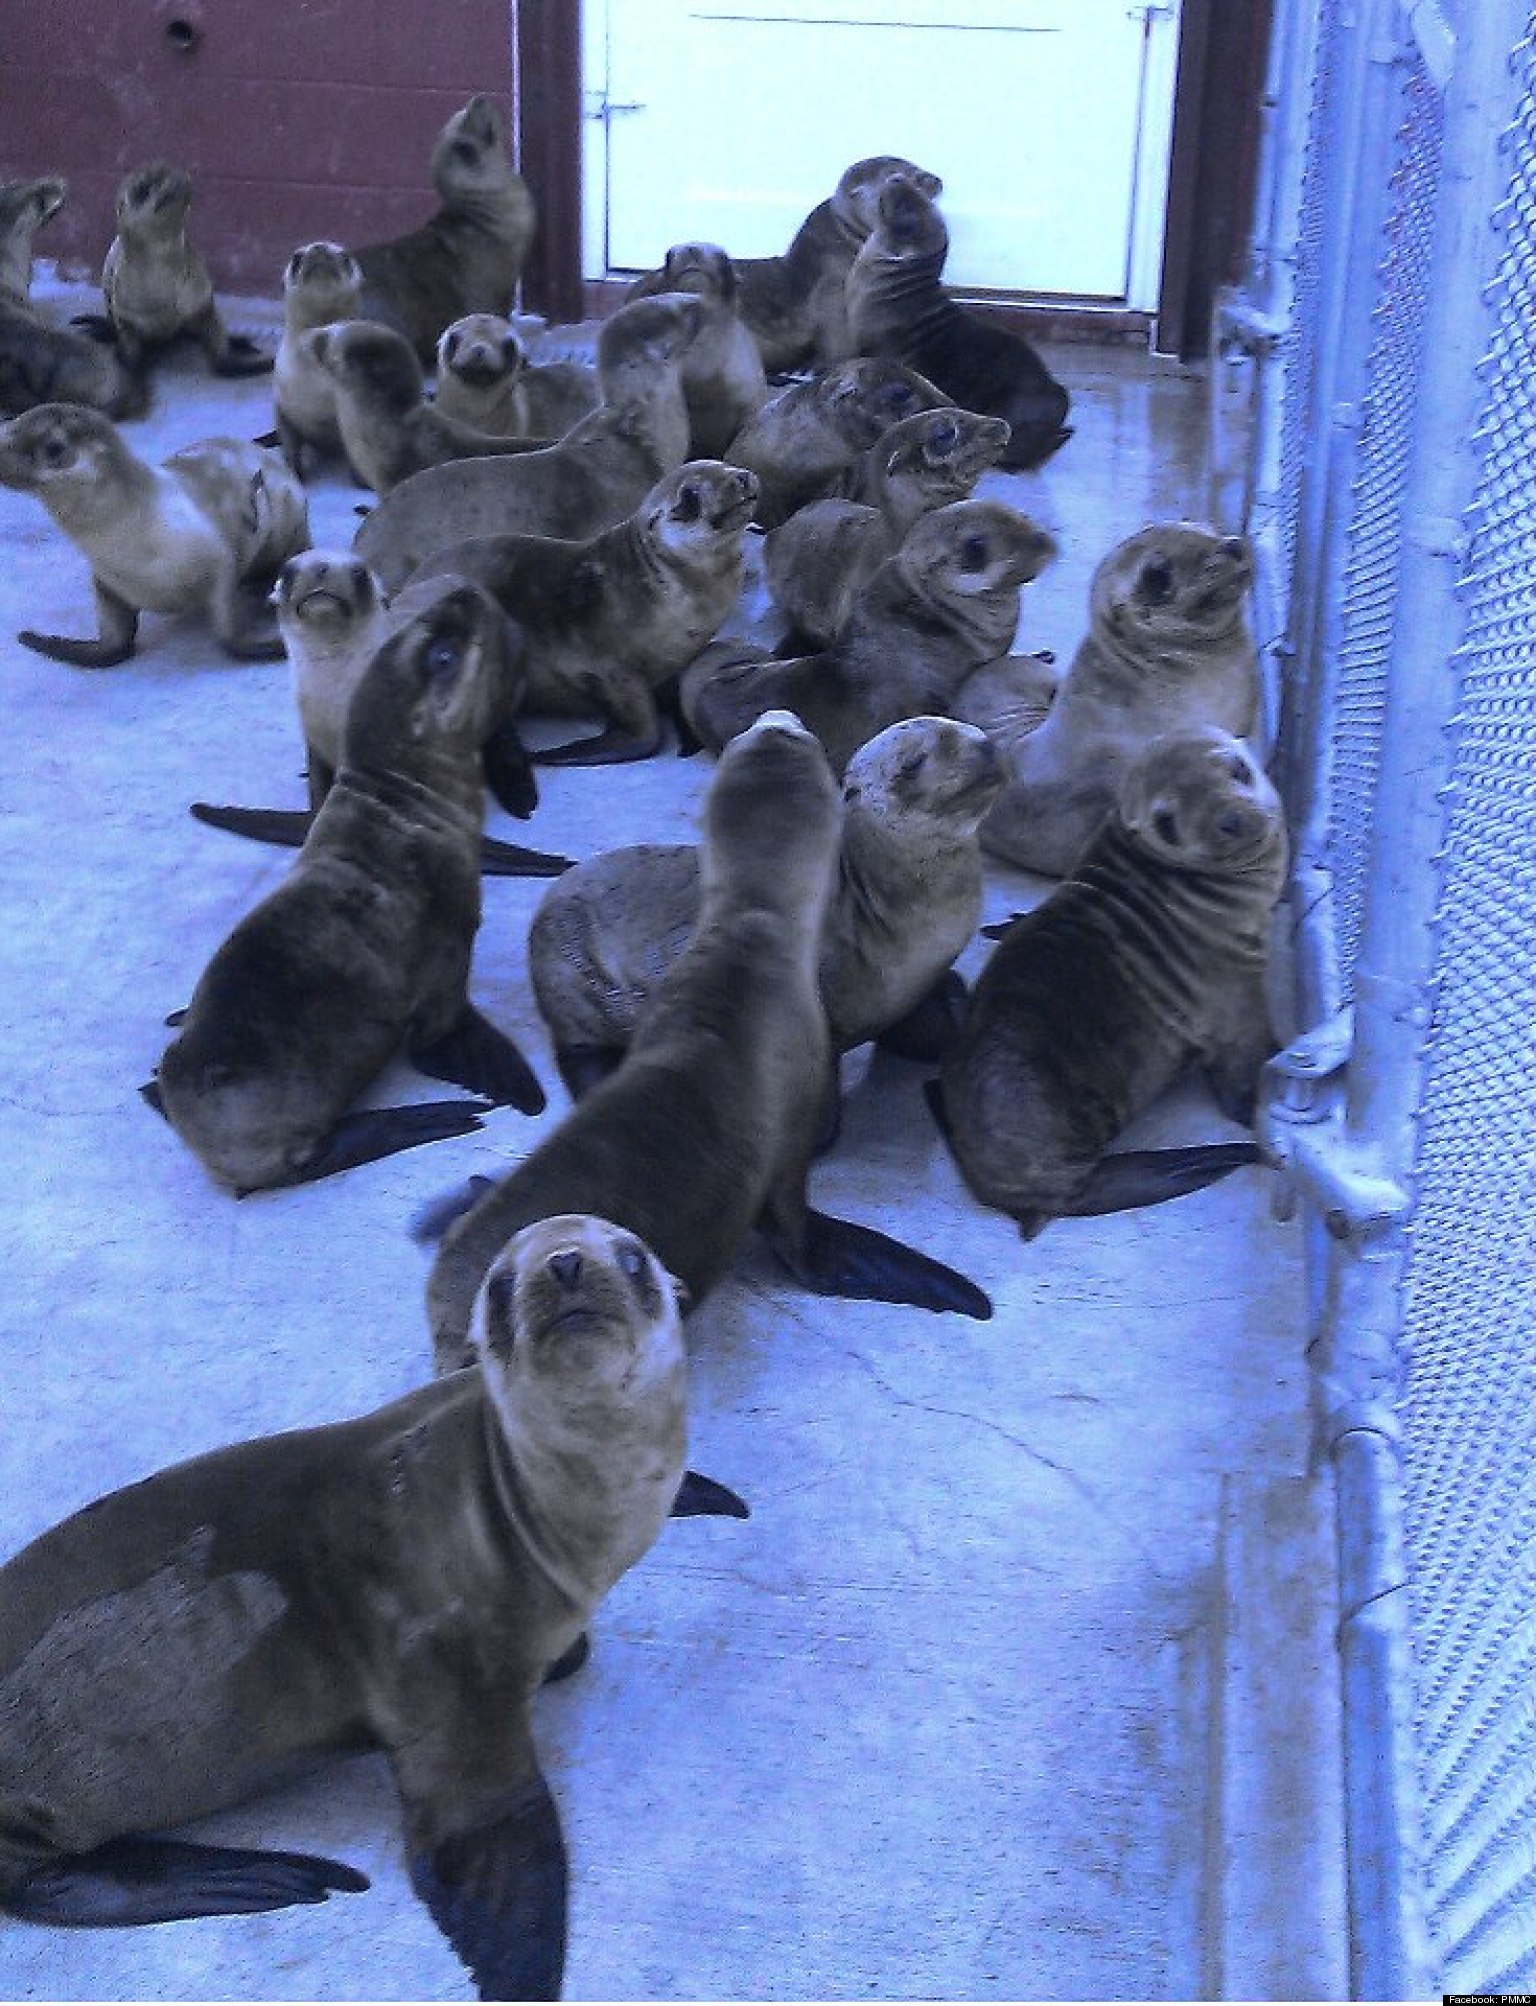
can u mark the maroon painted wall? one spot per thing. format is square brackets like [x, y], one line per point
[297, 118]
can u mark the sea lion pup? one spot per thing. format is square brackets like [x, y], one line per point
[40, 361]
[204, 533]
[484, 379]
[945, 602]
[1148, 959]
[723, 377]
[906, 901]
[365, 946]
[403, 1581]
[334, 619]
[709, 1124]
[467, 258]
[819, 561]
[388, 429]
[156, 284]
[1168, 644]
[322, 283]
[606, 621]
[805, 437]
[590, 479]
[793, 305]
[896, 306]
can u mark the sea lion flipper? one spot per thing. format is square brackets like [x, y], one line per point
[583, 1067]
[701, 1497]
[498, 1893]
[837, 1257]
[141, 1880]
[475, 1055]
[509, 772]
[119, 626]
[1126, 1179]
[431, 1221]
[286, 826]
[929, 1026]
[615, 745]
[370, 1134]
[511, 860]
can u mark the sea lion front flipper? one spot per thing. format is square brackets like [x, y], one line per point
[837, 1257]
[431, 1221]
[286, 826]
[928, 1028]
[509, 772]
[474, 1054]
[118, 623]
[139, 1880]
[701, 1497]
[1129, 1178]
[370, 1134]
[511, 860]
[583, 1067]
[495, 1888]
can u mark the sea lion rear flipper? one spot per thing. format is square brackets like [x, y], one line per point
[509, 772]
[137, 1880]
[701, 1497]
[287, 826]
[497, 1889]
[511, 860]
[118, 623]
[431, 1221]
[837, 1257]
[1126, 1179]
[616, 745]
[370, 1134]
[929, 1026]
[474, 1054]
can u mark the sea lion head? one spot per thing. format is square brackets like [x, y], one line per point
[704, 269]
[644, 339]
[25, 206]
[856, 199]
[909, 225]
[481, 349]
[471, 152]
[973, 550]
[925, 775]
[577, 1328]
[325, 592]
[943, 453]
[63, 453]
[772, 816]
[1198, 800]
[862, 399]
[371, 362]
[437, 682]
[155, 197]
[328, 274]
[701, 507]
[1172, 588]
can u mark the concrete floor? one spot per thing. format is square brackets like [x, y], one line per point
[935, 1722]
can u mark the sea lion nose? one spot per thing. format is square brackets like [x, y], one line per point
[566, 1268]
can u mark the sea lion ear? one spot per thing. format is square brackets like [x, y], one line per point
[681, 1290]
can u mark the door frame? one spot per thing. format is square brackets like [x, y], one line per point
[1221, 52]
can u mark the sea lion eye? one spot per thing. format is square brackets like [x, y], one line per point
[444, 657]
[1166, 828]
[632, 1261]
[55, 451]
[1156, 581]
[1239, 770]
[945, 437]
[465, 149]
[973, 553]
[500, 1308]
[912, 765]
[688, 507]
[450, 348]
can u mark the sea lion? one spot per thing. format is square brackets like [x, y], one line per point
[592, 478]
[709, 1124]
[467, 258]
[896, 306]
[334, 618]
[402, 1581]
[388, 428]
[365, 946]
[905, 902]
[945, 602]
[156, 284]
[40, 361]
[1148, 959]
[1168, 644]
[819, 561]
[203, 533]
[607, 620]
[723, 379]
[794, 305]
[484, 379]
[322, 283]
[801, 441]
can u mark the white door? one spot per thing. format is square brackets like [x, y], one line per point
[1049, 121]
